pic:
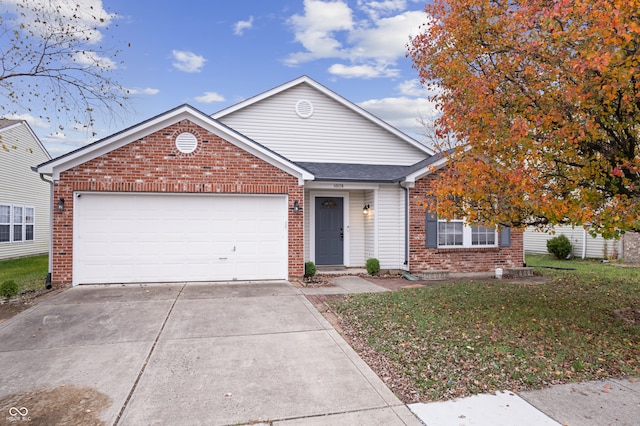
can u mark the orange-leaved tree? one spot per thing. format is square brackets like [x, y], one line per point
[543, 100]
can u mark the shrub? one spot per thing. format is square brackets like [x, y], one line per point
[9, 288]
[559, 246]
[309, 269]
[373, 266]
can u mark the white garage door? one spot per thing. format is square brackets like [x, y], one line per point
[126, 238]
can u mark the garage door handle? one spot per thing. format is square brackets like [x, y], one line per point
[223, 258]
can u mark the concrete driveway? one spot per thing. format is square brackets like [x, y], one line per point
[186, 354]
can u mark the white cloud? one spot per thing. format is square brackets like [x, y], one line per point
[92, 59]
[187, 61]
[143, 91]
[404, 113]
[33, 121]
[376, 8]
[84, 17]
[363, 71]
[209, 97]
[388, 39]
[370, 40]
[241, 26]
[316, 30]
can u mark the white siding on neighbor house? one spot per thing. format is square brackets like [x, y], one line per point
[333, 134]
[535, 242]
[21, 186]
[356, 229]
[390, 214]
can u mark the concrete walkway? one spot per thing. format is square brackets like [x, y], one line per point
[211, 354]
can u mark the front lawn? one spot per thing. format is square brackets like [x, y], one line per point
[29, 272]
[455, 339]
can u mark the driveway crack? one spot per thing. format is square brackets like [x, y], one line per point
[146, 361]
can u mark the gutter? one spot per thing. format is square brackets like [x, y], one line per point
[406, 223]
[47, 281]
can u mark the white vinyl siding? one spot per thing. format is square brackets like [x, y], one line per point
[370, 226]
[333, 133]
[21, 186]
[356, 229]
[390, 213]
[535, 242]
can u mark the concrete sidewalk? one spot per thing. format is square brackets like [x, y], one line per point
[594, 403]
[186, 354]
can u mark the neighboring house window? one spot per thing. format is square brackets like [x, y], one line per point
[5, 223]
[17, 223]
[29, 223]
[455, 233]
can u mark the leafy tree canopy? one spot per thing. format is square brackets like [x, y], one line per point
[54, 64]
[543, 99]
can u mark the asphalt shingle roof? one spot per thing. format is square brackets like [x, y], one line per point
[364, 172]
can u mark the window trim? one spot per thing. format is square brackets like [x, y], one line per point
[22, 223]
[467, 236]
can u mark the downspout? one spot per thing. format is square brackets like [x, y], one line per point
[584, 243]
[406, 223]
[47, 281]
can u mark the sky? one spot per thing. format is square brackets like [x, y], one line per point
[213, 54]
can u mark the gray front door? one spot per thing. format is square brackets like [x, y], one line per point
[329, 231]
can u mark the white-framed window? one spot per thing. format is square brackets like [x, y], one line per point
[456, 233]
[17, 223]
[5, 223]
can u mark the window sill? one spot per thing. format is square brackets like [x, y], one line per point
[467, 249]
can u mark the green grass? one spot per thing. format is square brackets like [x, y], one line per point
[28, 272]
[464, 338]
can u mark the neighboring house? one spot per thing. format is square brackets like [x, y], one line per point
[25, 199]
[583, 245]
[294, 174]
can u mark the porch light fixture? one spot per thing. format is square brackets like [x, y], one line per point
[61, 204]
[296, 207]
[365, 209]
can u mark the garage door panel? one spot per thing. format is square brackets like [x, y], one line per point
[165, 238]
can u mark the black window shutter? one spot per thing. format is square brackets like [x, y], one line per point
[431, 228]
[505, 236]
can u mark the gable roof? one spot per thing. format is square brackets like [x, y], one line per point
[159, 122]
[6, 125]
[331, 94]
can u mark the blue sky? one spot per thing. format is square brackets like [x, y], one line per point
[214, 54]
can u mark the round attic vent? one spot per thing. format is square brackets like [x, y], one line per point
[186, 142]
[304, 108]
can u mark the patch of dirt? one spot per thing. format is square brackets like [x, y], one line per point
[64, 405]
[629, 316]
[12, 307]
[318, 281]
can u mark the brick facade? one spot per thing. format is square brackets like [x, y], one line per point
[454, 259]
[153, 164]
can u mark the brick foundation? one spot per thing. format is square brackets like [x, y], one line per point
[153, 164]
